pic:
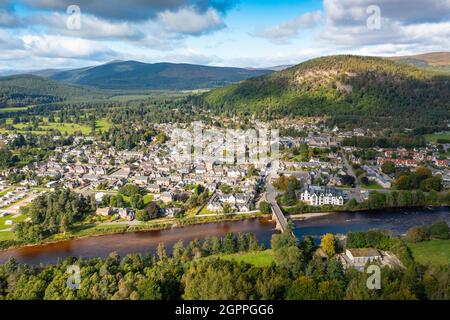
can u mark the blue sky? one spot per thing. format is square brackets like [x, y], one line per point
[245, 33]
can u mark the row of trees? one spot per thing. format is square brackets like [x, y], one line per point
[197, 271]
[421, 179]
[438, 230]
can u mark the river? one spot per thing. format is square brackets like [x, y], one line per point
[100, 246]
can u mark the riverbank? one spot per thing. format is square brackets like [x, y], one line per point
[144, 242]
[104, 229]
[304, 216]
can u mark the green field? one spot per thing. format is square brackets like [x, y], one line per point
[12, 109]
[436, 252]
[206, 211]
[69, 128]
[148, 198]
[256, 258]
[6, 235]
[9, 217]
[437, 135]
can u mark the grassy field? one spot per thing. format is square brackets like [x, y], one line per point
[437, 135]
[148, 198]
[9, 217]
[256, 258]
[12, 109]
[436, 252]
[6, 235]
[206, 211]
[69, 128]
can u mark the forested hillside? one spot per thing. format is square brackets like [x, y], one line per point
[365, 90]
[134, 75]
[437, 61]
[29, 89]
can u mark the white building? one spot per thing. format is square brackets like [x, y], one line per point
[317, 196]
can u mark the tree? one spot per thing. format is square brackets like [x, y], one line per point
[151, 210]
[290, 258]
[264, 207]
[229, 243]
[304, 288]
[348, 180]
[402, 183]
[227, 209]
[290, 197]
[417, 234]
[439, 230]
[161, 252]
[5, 158]
[388, 167]
[137, 201]
[431, 184]
[377, 200]
[199, 189]
[328, 244]
[251, 171]
[64, 224]
[130, 190]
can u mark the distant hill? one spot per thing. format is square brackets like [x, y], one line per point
[124, 75]
[438, 61]
[349, 89]
[30, 89]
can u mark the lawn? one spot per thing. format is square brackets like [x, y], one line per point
[435, 252]
[69, 128]
[437, 135]
[6, 235]
[12, 109]
[10, 217]
[207, 211]
[257, 258]
[148, 198]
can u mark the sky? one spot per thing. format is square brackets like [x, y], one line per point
[43, 34]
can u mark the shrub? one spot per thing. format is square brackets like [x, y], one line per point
[439, 230]
[417, 234]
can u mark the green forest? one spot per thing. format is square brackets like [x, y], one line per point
[203, 269]
[366, 90]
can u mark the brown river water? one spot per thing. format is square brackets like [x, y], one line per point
[398, 222]
[142, 242]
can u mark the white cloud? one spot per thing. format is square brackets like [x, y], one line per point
[8, 42]
[91, 27]
[283, 33]
[188, 21]
[65, 47]
[403, 24]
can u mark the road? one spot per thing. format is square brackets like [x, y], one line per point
[14, 209]
[350, 172]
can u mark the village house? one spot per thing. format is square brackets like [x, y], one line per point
[358, 258]
[318, 196]
[167, 197]
[153, 188]
[140, 180]
[397, 162]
